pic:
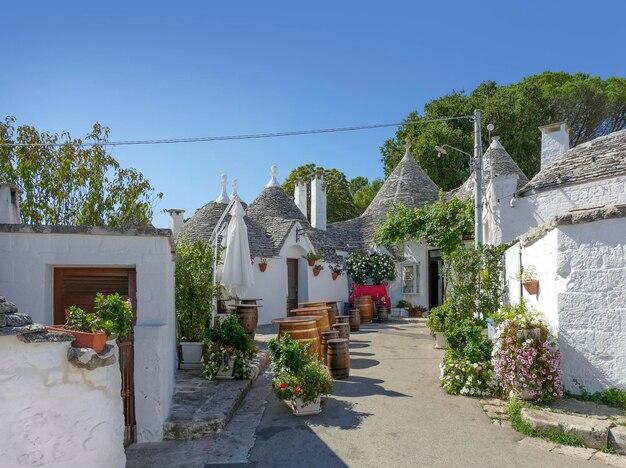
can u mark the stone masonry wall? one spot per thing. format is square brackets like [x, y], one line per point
[54, 413]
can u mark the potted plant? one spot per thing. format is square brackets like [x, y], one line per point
[300, 378]
[227, 351]
[317, 269]
[437, 323]
[194, 298]
[263, 264]
[401, 308]
[86, 327]
[528, 277]
[311, 258]
[115, 313]
[336, 271]
[417, 311]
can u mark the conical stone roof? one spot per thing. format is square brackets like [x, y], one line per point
[502, 163]
[407, 184]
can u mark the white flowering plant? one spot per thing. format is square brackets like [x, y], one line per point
[462, 377]
[377, 267]
[358, 267]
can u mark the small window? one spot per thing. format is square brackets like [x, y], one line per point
[14, 197]
[410, 279]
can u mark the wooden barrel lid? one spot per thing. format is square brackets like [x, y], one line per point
[301, 318]
[338, 341]
[310, 309]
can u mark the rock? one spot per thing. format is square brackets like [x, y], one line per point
[33, 328]
[45, 337]
[500, 410]
[17, 320]
[590, 431]
[7, 308]
[3, 320]
[86, 358]
[609, 459]
[2, 299]
[617, 439]
[538, 443]
[577, 452]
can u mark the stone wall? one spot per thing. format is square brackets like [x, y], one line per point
[30, 254]
[54, 413]
[581, 268]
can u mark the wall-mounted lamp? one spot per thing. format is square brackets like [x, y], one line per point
[300, 232]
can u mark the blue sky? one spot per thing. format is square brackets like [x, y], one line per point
[188, 69]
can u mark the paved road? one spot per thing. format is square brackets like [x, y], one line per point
[390, 412]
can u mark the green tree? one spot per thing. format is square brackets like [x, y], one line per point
[364, 195]
[590, 105]
[340, 203]
[73, 184]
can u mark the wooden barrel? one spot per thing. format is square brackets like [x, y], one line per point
[343, 319]
[301, 329]
[328, 335]
[346, 308]
[343, 329]
[366, 308]
[338, 358]
[253, 302]
[355, 320]
[320, 311]
[333, 313]
[383, 314]
[248, 316]
[332, 309]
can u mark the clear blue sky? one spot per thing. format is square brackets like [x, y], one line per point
[187, 69]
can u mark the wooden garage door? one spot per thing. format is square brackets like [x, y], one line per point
[79, 286]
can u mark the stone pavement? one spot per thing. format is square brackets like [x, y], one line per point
[391, 411]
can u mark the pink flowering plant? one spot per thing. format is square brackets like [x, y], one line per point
[526, 360]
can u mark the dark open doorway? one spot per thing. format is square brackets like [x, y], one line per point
[435, 280]
[292, 283]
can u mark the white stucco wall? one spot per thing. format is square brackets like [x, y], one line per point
[414, 253]
[26, 276]
[54, 414]
[271, 285]
[535, 209]
[581, 270]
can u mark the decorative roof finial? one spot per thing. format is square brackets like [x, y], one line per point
[234, 195]
[407, 145]
[223, 198]
[273, 181]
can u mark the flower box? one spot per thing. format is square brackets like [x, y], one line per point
[96, 341]
[300, 408]
[531, 286]
[192, 355]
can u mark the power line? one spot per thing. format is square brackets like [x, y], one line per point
[238, 137]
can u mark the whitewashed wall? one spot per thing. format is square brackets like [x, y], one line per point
[54, 414]
[271, 285]
[581, 270]
[535, 209]
[26, 276]
[415, 253]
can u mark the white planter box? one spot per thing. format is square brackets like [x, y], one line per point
[300, 408]
[441, 342]
[192, 355]
[226, 372]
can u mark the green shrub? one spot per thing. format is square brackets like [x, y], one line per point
[79, 320]
[288, 355]
[466, 340]
[460, 376]
[116, 314]
[439, 318]
[611, 396]
[311, 381]
[229, 332]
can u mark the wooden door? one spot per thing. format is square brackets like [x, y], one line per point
[292, 283]
[78, 287]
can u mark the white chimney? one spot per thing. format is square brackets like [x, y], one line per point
[318, 202]
[234, 195]
[176, 220]
[10, 203]
[300, 197]
[554, 142]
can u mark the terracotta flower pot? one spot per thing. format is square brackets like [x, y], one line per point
[311, 262]
[531, 286]
[316, 272]
[335, 275]
[95, 341]
[262, 267]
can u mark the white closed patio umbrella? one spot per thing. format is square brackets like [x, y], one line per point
[237, 275]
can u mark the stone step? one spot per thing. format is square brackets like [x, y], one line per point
[202, 407]
[592, 432]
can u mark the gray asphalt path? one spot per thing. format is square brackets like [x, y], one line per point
[392, 412]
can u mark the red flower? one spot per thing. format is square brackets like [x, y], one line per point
[283, 385]
[298, 389]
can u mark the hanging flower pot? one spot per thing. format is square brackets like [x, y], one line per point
[335, 275]
[263, 265]
[311, 262]
[311, 258]
[317, 269]
[531, 286]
